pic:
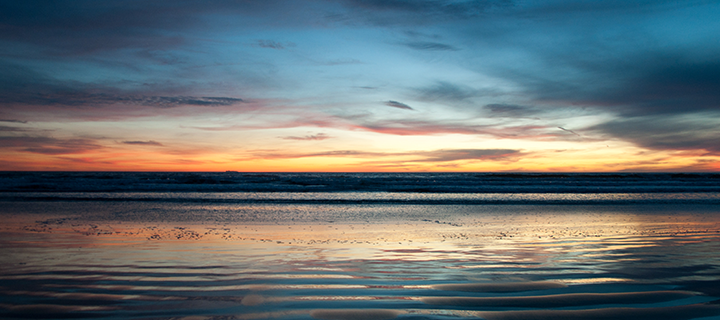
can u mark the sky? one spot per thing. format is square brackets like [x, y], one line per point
[360, 85]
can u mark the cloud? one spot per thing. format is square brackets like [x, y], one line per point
[396, 5]
[12, 120]
[145, 143]
[431, 46]
[13, 129]
[446, 91]
[48, 145]
[570, 131]
[654, 96]
[167, 102]
[398, 105]
[610, 56]
[86, 161]
[446, 155]
[419, 128]
[274, 154]
[24, 86]
[410, 128]
[442, 155]
[85, 27]
[294, 120]
[80, 99]
[90, 27]
[653, 86]
[667, 132]
[669, 86]
[344, 153]
[388, 12]
[509, 110]
[340, 62]
[565, 8]
[319, 136]
[647, 84]
[420, 35]
[270, 44]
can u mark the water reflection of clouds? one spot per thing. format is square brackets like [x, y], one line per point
[404, 255]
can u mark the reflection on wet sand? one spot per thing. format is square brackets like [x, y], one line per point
[432, 262]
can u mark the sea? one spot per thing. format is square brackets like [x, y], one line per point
[236, 245]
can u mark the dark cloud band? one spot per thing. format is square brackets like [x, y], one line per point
[399, 105]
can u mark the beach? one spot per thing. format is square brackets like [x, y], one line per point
[347, 256]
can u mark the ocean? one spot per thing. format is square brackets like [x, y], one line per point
[233, 245]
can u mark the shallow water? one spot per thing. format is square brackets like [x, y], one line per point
[66, 257]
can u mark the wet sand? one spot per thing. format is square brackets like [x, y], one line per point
[230, 261]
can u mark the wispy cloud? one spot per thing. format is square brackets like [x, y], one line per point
[447, 91]
[340, 62]
[431, 46]
[12, 121]
[166, 102]
[48, 145]
[442, 155]
[407, 128]
[28, 87]
[412, 12]
[319, 136]
[509, 110]
[568, 130]
[270, 44]
[87, 160]
[399, 105]
[446, 155]
[90, 99]
[144, 143]
[13, 129]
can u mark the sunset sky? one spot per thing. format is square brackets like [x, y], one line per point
[360, 85]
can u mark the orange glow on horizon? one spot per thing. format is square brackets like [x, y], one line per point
[382, 153]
